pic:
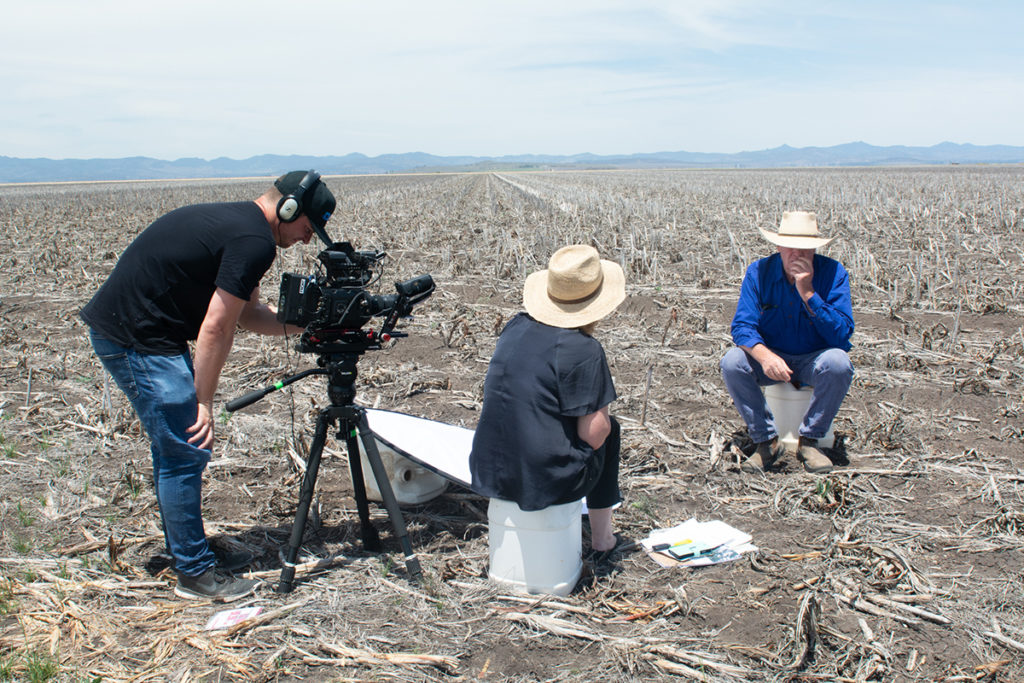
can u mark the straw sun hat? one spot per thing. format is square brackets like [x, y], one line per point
[577, 289]
[798, 230]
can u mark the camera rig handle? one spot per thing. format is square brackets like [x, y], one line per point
[253, 396]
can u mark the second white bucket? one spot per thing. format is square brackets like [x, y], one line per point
[411, 483]
[789, 405]
[535, 552]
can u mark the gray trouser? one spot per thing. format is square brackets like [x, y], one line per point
[829, 371]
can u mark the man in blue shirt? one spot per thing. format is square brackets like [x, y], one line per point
[792, 324]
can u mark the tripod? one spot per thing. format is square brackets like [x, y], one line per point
[338, 362]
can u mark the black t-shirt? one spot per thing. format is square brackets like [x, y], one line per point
[156, 297]
[540, 380]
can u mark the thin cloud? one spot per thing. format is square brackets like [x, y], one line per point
[240, 78]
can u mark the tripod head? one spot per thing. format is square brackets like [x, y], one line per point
[338, 352]
[337, 361]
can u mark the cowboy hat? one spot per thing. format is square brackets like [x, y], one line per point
[798, 230]
[577, 289]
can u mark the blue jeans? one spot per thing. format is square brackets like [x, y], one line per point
[829, 371]
[162, 391]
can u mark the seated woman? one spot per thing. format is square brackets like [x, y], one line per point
[545, 436]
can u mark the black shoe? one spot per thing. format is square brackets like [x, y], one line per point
[599, 557]
[214, 584]
[228, 560]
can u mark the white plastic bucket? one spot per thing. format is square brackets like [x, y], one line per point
[789, 405]
[411, 483]
[535, 552]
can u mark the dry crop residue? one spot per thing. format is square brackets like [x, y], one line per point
[902, 564]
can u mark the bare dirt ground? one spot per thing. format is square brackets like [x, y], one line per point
[905, 563]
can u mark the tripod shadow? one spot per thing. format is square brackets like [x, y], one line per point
[334, 545]
[437, 528]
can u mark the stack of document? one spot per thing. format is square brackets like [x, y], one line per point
[697, 544]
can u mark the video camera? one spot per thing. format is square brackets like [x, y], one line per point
[334, 304]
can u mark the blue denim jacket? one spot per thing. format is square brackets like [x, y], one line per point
[771, 312]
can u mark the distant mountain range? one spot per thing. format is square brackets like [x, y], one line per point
[13, 170]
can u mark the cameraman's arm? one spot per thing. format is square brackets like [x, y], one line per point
[261, 318]
[212, 346]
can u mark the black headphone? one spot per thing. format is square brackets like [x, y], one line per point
[290, 207]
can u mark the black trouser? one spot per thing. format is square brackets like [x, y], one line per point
[600, 481]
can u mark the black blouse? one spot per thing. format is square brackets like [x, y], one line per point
[540, 380]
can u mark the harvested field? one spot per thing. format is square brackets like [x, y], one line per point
[905, 563]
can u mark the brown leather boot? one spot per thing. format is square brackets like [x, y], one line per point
[814, 460]
[763, 456]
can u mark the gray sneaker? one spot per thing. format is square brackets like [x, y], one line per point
[214, 584]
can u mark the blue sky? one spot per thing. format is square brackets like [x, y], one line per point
[238, 78]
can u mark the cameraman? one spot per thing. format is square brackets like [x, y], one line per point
[194, 274]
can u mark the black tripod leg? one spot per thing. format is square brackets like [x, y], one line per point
[412, 563]
[305, 498]
[371, 539]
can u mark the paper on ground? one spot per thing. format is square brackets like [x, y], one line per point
[732, 542]
[230, 617]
